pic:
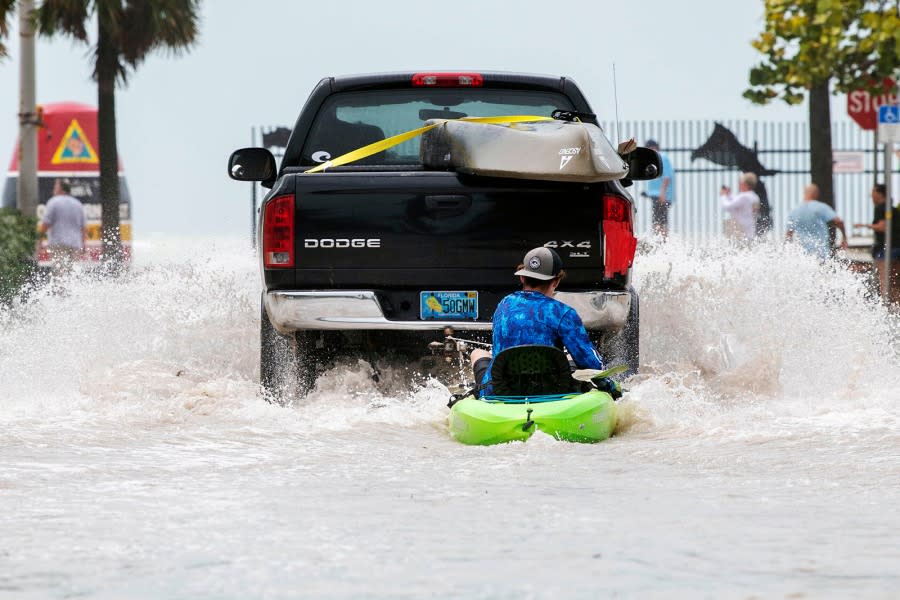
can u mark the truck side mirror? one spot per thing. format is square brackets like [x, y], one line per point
[252, 164]
[643, 164]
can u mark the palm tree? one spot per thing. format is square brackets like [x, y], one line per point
[7, 8]
[127, 31]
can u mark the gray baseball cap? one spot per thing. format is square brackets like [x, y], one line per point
[541, 263]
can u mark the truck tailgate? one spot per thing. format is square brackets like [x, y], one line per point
[440, 229]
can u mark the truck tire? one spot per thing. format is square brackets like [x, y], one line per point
[623, 346]
[276, 361]
[312, 356]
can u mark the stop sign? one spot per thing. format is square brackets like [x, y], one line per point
[863, 107]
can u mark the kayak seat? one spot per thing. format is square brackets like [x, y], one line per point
[532, 370]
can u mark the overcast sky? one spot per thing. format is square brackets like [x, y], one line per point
[181, 116]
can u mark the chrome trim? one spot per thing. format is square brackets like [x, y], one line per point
[360, 309]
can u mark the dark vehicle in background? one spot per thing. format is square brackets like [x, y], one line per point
[386, 255]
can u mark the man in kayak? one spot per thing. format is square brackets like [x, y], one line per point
[532, 316]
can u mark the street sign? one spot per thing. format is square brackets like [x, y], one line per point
[863, 107]
[848, 162]
[888, 114]
[888, 124]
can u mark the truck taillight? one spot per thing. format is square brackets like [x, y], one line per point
[619, 242]
[447, 80]
[278, 232]
[616, 208]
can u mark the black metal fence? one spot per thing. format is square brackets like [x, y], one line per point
[783, 147]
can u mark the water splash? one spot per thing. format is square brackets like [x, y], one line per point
[730, 334]
[731, 339]
[166, 331]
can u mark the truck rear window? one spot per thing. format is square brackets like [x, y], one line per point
[350, 120]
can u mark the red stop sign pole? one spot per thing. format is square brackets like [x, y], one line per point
[863, 107]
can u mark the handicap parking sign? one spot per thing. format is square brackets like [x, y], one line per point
[888, 124]
[889, 114]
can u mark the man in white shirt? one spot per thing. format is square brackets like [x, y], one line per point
[64, 219]
[743, 206]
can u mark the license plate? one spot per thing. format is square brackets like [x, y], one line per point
[455, 306]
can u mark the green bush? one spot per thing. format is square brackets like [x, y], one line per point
[18, 236]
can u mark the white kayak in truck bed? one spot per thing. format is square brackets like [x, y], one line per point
[545, 150]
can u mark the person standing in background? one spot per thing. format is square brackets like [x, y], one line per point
[67, 227]
[764, 215]
[878, 227]
[661, 192]
[742, 207]
[808, 223]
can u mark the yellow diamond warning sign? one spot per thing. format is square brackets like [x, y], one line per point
[74, 147]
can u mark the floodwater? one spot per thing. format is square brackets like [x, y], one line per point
[758, 454]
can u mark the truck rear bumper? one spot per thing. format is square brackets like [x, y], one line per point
[360, 309]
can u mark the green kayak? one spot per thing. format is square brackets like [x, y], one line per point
[588, 417]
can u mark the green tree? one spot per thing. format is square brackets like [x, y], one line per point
[7, 8]
[127, 31]
[808, 45]
[16, 251]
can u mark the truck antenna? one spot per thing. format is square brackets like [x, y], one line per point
[616, 100]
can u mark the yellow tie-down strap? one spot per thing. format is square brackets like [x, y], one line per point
[381, 145]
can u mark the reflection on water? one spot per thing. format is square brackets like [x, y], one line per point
[756, 454]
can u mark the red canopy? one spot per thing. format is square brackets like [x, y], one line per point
[67, 141]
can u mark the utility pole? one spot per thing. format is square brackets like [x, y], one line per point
[885, 283]
[253, 195]
[27, 184]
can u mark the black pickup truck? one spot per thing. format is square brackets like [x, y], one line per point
[352, 257]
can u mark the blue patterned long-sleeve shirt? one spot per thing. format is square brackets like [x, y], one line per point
[528, 317]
